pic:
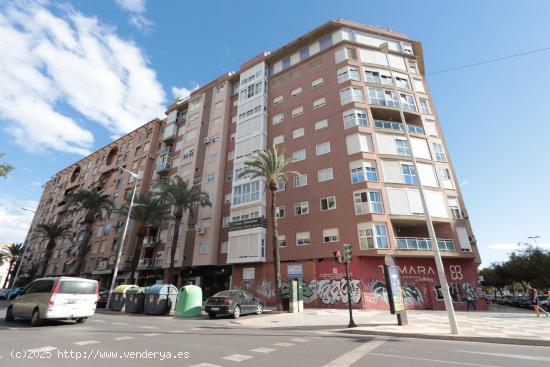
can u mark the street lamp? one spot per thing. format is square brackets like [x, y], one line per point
[384, 48]
[23, 258]
[534, 238]
[119, 252]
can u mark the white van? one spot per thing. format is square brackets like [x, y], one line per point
[55, 298]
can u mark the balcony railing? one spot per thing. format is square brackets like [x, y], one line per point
[391, 125]
[415, 243]
[170, 132]
[145, 263]
[149, 241]
[164, 163]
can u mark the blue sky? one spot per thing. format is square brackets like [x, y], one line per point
[129, 56]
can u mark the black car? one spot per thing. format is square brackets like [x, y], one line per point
[102, 298]
[234, 303]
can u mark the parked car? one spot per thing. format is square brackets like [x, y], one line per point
[102, 298]
[544, 302]
[4, 293]
[234, 303]
[14, 292]
[55, 298]
[516, 301]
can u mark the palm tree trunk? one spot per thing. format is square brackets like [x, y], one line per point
[177, 224]
[47, 256]
[276, 257]
[137, 254]
[9, 275]
[83, 249]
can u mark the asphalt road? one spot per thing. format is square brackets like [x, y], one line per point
[113, 339]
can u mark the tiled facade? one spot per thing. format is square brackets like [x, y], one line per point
[327, 100]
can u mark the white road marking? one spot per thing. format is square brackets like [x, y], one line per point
[237, 357]
[349, 358]
[42, 349]
[432, 360]
[517, 356]
[196, 328]
[119, 323]
[151, 334]
[124, 338]
[283, 344]
[263, 350]
[177, 331]
[205, 365]
[299, 340]
[96, 320]
[86, 342]
[148, 327]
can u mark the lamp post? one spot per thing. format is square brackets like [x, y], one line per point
[384, 48]
[23, 257]
[119, 252]
[534, 238]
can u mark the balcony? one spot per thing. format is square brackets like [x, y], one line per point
[149, 241]
[170, 133]
[165, 150]
[164, 163]
[246, 248]
[423, 244]
[145, 263]
[397, 126]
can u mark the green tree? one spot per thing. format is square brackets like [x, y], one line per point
[272, 166]
[14, 254]
[95, 205]
[183, 198]
[5, 168]
[148, 211]
[51, 232]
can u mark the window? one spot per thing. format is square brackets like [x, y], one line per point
[278, 118]
[107, 229]
[446, 178]
[364, 171]
[409, 174]
[194, 104]
[190, 135]
[375, 237]
[319, 125]
[251, 91]
[294, 74]
[325, 174]
[297, 111]
[402, 82]
[188, 152]
[455, 208]
[328, 203]
[314, 64]
[280, 212]
[377, 76]
[303, 238]
[330, 235]
[382, 97]
[355, 118]
[352, 94]
[413, 67]
[227, 198]
[299, 155]
[281, 186]
[137, 152]
[278, 140]
[203, 248]
[301, 208]
[318, 103]
[323, 148]
[224, 248]
[317, 83]
[281, 240]
[425, 106]
[345, 53]
[231, 155]
[210, 178]
[246, 192]
[298, 133]
[368, 202]
[278, 100]
[439, 152]
[225, 222]
[118, 184]
[402, 146]
[407, 102]
[212, 158]
[296, 92]
[300, 180]
[347, 73]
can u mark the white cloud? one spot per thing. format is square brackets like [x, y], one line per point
[465, 182]
[513, 246]
[182, 93]
[136, 9]
[15, 222]
[71, 60]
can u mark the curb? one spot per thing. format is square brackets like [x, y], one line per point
[478, 339]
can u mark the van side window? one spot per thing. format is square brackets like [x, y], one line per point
[44, 286]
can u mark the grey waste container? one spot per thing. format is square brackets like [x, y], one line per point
[160, 299]
[118, 298]
[135, 299]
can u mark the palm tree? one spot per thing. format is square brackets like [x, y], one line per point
[271, 165]
[14, 253]
[51, 232]
[95, 205]
[148, 211]
[183, 198]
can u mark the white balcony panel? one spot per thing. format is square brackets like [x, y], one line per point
[392, 171]
[436, 204]
[386, 144]
[408, 202]
[246, 246]
[359, 143]
[170, 131]
[248, 146]
[426, 173]
[420, 149]
[251, 126]
[463, 239]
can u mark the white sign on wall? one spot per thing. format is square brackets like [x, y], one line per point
[249, 273]
[295, 271]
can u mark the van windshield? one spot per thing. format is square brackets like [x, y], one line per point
[72, 287]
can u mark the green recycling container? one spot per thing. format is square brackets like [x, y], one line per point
[189, 303]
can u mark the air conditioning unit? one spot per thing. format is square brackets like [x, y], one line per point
[206, 140]
[152, 156]
[201, 230]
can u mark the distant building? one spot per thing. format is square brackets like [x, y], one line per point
[327, 100]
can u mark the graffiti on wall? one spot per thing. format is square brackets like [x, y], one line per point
[265, 289]
[378, 293]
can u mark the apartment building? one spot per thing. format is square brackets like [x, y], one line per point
[327, 100]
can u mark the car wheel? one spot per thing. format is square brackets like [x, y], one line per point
[237, 312]
[9, 314]
[212, 315]
[259, 309]
[81, 320]
[36, 320]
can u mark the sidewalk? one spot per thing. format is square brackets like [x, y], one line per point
[508, 326]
